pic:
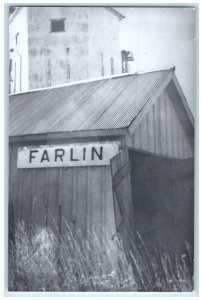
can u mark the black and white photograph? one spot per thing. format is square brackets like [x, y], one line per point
[101, 133]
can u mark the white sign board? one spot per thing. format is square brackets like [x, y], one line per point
[67, 155]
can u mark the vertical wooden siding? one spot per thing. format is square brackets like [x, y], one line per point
[162, 132]
[81, 196]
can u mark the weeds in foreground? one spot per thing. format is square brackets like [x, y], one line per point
[45, 261]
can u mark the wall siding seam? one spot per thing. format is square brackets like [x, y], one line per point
[165, 120]
[160, 138]
[140, 136]
[74, 197]
[102, 204]
[20, 196]
[182, 140]
[172, 137]
[178, 138]
[33, 196]
[154, 129]
[148, 142]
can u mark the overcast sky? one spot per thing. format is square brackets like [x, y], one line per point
[162, 37]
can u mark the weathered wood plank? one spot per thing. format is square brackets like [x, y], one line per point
[147, 133]
[178, 139]
[191, 149]
[144, 133]
[157, 129]
[154, 128]
[89, 202]
[38, 217]
[74, 203]
[136, 138]
[162, 124]
[13, 186]
[114, 165]
[27, 199]
[109, 205]
[169, 127]
[103, 206]
[20, 195]
[53, 199]
[121, 174]
[140, 137]
[96, 199]
[184, 145]
[151, 131]
[128, 141]
[67, 199]
[175, 125]
[166, 113]
[81, 203]
[119, 161]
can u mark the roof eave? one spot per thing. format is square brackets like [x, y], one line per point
[84, 134]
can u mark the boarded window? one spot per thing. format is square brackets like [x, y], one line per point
[57, 25]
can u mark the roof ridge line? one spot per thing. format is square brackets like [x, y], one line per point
[89, 80]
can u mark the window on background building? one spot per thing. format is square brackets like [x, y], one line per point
[20, 57]
[57, 25]
[112, 66]
[102, 64]
[10, 75]
[14, 87]
[49, 73]
[10, 69]
[68, 64]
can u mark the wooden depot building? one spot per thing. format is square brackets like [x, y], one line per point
[114, 152]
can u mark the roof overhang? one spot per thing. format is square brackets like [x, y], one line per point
[85, 134]
[121, 128]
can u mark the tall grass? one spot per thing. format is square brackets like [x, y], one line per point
[42, 260]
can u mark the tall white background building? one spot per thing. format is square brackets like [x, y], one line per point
[56, 45]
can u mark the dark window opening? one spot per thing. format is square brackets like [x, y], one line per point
[58, 25]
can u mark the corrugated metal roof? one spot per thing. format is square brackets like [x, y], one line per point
[109, 103]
